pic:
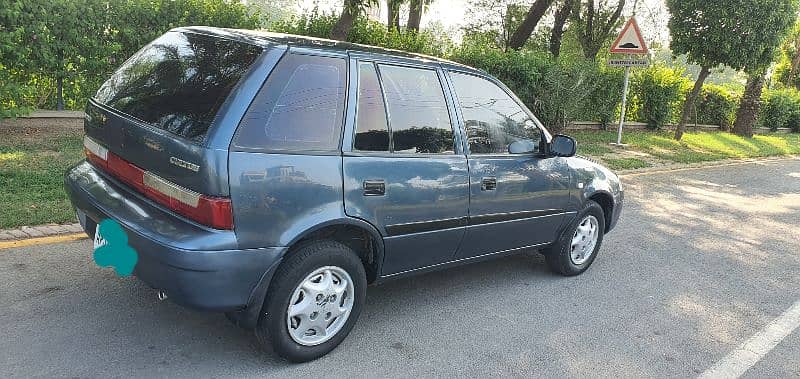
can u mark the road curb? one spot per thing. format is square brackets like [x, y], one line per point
[38, 231]
[710, 164]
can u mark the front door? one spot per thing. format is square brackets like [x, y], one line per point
[516, 200]
[403, 172]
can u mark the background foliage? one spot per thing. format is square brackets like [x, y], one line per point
[80, 42]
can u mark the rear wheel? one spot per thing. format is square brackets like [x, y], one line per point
[313, 302]
[577, 246]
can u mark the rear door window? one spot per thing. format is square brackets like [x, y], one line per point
[299, 108]
[418, 114]
[372, 131]
[179, 81]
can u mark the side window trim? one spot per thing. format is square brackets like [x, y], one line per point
[385, 107]
[456, 116]
[507, 91]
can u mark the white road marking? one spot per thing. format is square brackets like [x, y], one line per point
[756, 347]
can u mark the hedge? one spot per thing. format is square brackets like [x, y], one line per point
[557, 90]
[780, 109]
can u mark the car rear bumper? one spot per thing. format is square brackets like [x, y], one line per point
[195, 266]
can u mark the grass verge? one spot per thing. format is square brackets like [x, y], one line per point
[32, 166]
[647, 149]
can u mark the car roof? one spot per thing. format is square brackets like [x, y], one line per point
[264, 38]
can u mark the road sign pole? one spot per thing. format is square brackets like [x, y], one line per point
[624, 101]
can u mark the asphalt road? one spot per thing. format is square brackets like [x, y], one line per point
[701, 260]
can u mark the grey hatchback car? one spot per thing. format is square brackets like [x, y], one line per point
[273, 177]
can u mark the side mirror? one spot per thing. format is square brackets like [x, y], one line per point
[522, 146]
[563, 146]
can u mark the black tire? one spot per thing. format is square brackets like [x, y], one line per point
[558, 255]
[272, 330]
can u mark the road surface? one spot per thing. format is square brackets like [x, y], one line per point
[701, 261]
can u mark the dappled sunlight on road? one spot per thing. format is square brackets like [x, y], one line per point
[748, 223]
[731, 224]
[717, 323]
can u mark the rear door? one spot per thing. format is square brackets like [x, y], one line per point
[516, 200]
[403, 168]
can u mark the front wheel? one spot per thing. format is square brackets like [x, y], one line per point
[313, 302]
[577, 247]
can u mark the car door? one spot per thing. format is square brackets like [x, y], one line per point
[403, 170]
[516, 200]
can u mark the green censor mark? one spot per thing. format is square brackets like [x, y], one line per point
[111, 248]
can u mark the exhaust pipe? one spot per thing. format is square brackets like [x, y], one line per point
[161, 295]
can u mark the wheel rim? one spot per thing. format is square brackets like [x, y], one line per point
[320, 306]
[584, 240]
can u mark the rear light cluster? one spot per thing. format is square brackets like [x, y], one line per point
[207, 210]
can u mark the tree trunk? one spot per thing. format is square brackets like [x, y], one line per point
[343, 26]
[60, 83]
[525, 29]
[60, 93]
[688, 105]
[749, 105]
[414, 15]
[561, 16]
[393, 19]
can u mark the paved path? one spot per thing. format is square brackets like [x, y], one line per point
[701, 261]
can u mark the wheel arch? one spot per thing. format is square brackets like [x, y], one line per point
[357, 234]
[340, 228]
[606, 201]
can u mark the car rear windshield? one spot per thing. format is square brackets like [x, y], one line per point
[179, 81]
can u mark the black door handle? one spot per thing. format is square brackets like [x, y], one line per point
[489, 184]
[374, 187]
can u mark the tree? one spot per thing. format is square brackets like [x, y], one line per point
[527, 26]
[595, 24]
[777, 16]
[350, 10]
[741, 34]
[415, 10]
[341, 30]
[749, 105]
[559, 26]
[393, 14]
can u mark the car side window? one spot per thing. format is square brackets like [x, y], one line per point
[493, 120]
[372, 130]
[299, 107]
[418, 114]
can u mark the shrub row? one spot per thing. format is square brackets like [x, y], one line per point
[780, 109]
[80, 42]
[557, 90]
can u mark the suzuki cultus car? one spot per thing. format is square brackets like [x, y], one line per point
[273, 177]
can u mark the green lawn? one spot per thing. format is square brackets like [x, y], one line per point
[654, 148]
[32, 162]
[32, 166]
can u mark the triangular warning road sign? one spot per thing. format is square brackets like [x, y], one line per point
[630, 40]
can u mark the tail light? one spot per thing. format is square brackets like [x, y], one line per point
[212, 211]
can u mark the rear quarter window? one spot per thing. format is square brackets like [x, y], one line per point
[299, 108]
[179, 81]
